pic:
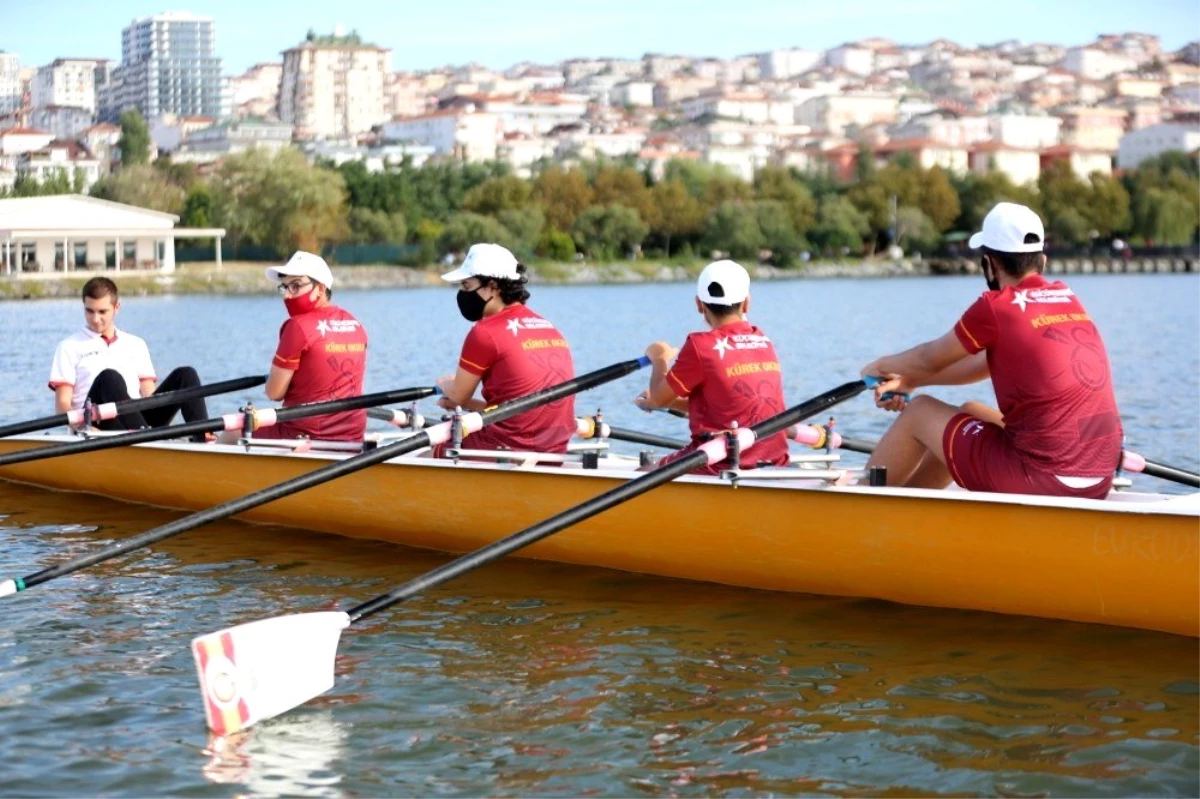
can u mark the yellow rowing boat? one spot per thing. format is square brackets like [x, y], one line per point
[1132, 560]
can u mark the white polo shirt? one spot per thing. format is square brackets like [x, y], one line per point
[79, 358]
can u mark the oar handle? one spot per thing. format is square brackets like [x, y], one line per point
[1133, 462]
[230, 421]
[114, 409]
[707, 453]
[326, 473]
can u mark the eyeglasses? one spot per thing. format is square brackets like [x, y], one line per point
[294, 287]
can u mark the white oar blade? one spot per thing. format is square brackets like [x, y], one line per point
[258, 670]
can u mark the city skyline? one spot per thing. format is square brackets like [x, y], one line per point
[434, 36]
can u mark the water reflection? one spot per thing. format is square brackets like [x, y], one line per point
[295, 755]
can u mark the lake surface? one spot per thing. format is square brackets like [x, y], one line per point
[528, 678]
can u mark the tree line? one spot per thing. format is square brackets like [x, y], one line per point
[607, 209]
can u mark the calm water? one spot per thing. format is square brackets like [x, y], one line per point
[537, 679]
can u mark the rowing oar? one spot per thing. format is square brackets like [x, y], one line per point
[437, 434]
[258, 670]
[1133, 462]
[111, 410]
[595, 427]
[258, 418]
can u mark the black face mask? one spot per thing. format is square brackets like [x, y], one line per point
[470, 304]
[993, 282]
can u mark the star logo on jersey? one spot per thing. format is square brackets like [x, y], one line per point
[1020, 299]
[513, 326]
[722, 346]
[323, 327]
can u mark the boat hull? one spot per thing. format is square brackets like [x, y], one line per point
[1123, 562]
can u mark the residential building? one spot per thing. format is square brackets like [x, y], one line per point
[375, 158]
[1094, 128]
[168, 132]
[1095, 63]
[1141, 48]
[1021, 164]
[10, 82]
[750, 106]
[661, 67]
[959, 130]
[522, 152]
[15, 141]
[743, 69]
[833, 114]
[234, 136]
[63, 121]
[927, 153]
[168, 66]
[670, 92]
[1155, 140]
[255, 93]
[1025, 132]
[784, 64]
[852, 58]
[637, 93]
[742, 161]
[1138, 86]
[1082, 160]
[101, 140]
[69, 158]
[463, 133]
[406, 96]
[333, 86]
[536, 114]
[589, 144]
[68, 82]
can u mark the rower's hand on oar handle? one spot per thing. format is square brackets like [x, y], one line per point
[643, 401]
[891, 392]
[660, 352]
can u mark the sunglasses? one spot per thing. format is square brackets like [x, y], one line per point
[294, 287]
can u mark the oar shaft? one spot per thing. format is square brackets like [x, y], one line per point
[1172, 473]
[599, 504]
[638, 437]
[512, 543]
[140, 404]
[210, 425]
[324, 474]
[858, 445]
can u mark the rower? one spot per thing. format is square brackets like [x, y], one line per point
[321, 356]
[724, 377]
[1056, 432]
[101, 364]
[511, 352]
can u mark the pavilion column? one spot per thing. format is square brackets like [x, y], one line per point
[120, 254]
[66, 257]
[217, 239]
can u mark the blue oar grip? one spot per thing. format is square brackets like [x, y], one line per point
[873, 381]
[643, 361]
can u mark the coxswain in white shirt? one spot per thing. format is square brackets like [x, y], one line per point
[102, 364]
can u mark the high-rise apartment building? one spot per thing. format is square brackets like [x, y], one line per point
[167, 66]
[10, 83]
[333, 86]
[68, 82]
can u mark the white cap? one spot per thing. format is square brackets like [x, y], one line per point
[1005, 228]
[723, 283]
[485, 260]
[303, 264]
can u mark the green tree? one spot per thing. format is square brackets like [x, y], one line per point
[368, 226]
[197, 208]
[144, 186]
[1063, 196]
[563, 195]
[498, 194]
[279, 200]
[525, 227]
[977, 194]
[733, 228]
[779, 234]
[673, 212]
[1068, 226]
[938, 200]
[915, 231]
[839, 225]
[556, 245]
[1165, 217]
[1107, 206]
[134, 143]
[608, 231]
[466, 228]
[621, 185]
[775, 183]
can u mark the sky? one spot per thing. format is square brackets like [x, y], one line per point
[500, 33]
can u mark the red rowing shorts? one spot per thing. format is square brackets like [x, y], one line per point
[981, 458]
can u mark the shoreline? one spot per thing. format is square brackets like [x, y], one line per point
[246, 277]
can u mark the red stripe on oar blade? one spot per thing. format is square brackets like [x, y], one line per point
[216, 716]
[243, 709]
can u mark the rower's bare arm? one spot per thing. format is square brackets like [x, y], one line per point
[459, 392]
[147, 385]
[918, 365]
[278, 380]
[971, 369]
[660, 394]
[63, 397]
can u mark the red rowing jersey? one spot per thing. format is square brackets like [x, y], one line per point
[516, 352]
[327, 350]
[1051, 375]
[731, 374]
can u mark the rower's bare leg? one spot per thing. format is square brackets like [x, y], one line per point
[915, 435]
[983, 412]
